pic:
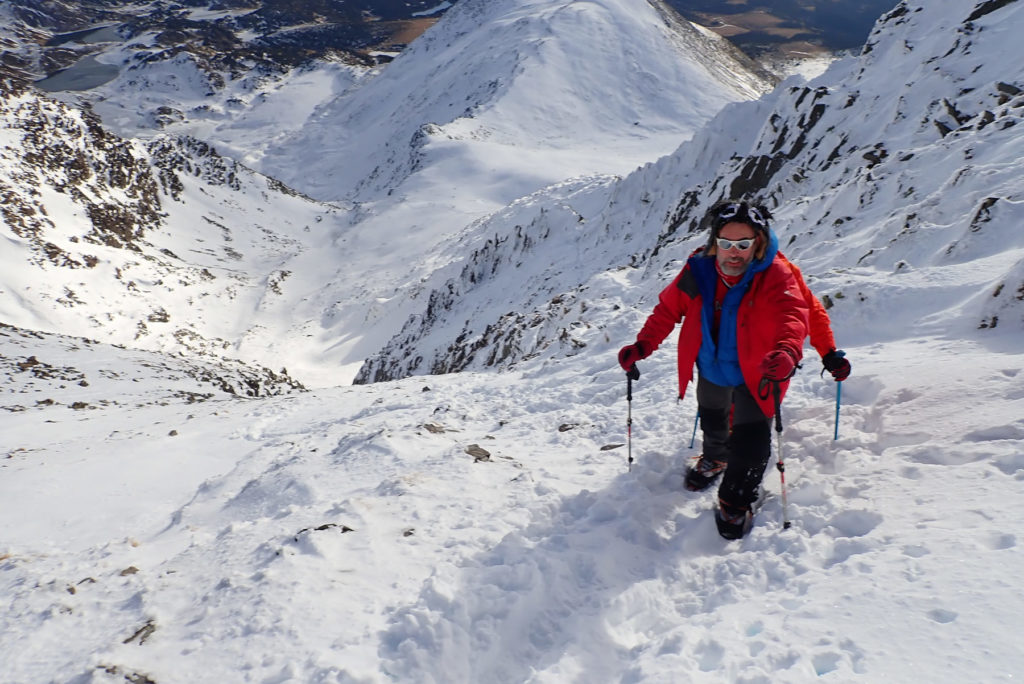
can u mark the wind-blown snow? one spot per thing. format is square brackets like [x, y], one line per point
[483, 526]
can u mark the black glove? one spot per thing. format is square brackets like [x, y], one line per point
[836, 364]
[632, 353]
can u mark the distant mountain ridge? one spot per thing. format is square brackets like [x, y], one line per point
[243, 247]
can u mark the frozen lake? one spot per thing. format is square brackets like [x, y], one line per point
[84, 74]
[87, 72]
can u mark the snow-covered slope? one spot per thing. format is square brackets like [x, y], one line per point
[165, 245]
[498, 100]
[901, 196]
[476, 528]
[239, 115]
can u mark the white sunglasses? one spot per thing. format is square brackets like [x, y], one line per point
[725, 245]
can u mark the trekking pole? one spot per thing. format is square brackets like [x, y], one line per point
[839, 392]
[696, 419]
[632, 374]
[780, 464]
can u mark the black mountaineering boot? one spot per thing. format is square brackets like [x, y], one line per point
[704, 472]
[733, 522]
[750, 449]
[715, 425]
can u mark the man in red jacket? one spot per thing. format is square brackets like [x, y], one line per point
[744, 319]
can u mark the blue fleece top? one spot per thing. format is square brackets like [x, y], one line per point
[719, 360]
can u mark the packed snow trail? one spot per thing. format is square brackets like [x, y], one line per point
[348, 535]
[632, 583]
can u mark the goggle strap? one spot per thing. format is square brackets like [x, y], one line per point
[734, 209]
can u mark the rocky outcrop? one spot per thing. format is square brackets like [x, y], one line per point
[66, 150]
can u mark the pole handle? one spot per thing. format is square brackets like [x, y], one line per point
[776, 392]
[777, 398]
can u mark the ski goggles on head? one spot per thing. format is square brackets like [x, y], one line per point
[743, 213]
[726, 245]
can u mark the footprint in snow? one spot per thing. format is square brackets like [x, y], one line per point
[942, 616]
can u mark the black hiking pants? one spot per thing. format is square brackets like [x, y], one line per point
[746, 447]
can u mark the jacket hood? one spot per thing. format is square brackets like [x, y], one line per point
[769, 253]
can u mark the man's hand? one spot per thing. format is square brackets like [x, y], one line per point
[836, 364]
[777, 365]
[631, 353]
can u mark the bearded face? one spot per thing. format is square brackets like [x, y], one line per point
[733, 260]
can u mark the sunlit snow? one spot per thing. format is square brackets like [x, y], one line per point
[170, 515]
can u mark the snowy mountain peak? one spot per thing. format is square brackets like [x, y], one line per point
[525, 74]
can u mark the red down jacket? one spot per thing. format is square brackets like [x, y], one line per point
[773, 314]
[820, 326]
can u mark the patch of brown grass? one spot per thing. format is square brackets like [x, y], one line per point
[412, 29]
[729, 25]
[401, 32]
